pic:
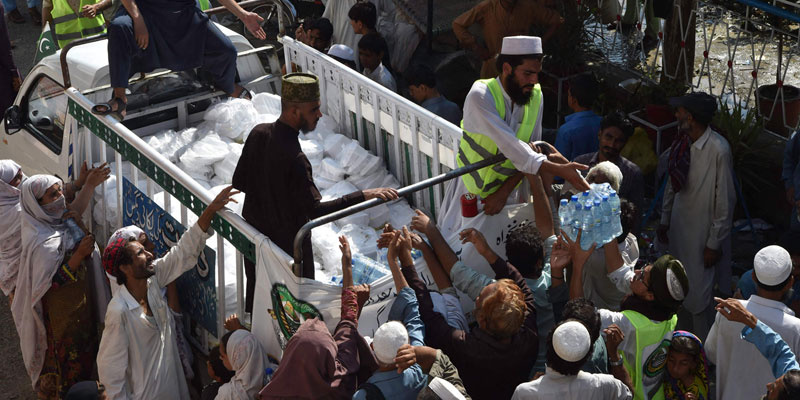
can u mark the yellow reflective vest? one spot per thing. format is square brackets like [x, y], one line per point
[475, 147]
[649, 373]
[69, 25]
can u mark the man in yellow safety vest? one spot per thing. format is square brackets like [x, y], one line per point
[74, 19]
[504, 115]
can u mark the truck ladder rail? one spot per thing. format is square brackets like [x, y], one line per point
[305, 229]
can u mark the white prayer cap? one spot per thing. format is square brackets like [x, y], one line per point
[445, 390]
[772, 265]
[342, 51]
[521, 45]
[571, 341]
[387, 340]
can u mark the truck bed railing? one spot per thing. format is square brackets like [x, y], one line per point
[413, 188]
[414, 143]
[229, 227]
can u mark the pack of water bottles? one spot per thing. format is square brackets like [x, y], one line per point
[596, 212]
[367, 270]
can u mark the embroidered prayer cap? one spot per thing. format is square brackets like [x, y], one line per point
[571, 341]
[668, 281]
[342, 51]
[772, 265]
[388, 338]
[701, 105]
[300, 88]
[112, 254]
[129, 233]
[444, 390]
[521, 45]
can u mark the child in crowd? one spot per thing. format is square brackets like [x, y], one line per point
[217, 372]
[687, 368]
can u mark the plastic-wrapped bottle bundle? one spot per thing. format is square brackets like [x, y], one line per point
[596, 212]
[366, 270]
[614, 203]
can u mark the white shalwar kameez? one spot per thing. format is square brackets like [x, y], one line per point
[336, 12]
[481, 116]
[138, 357]
[700, 216]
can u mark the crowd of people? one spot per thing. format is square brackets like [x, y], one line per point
[553, 320]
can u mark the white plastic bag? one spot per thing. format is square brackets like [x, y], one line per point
[323, 183]
[338, 190]
[325, 245]
[331, 169]
[198, 159]
[312, 149]
[224, 168]
[334, 144]
[373, 180]
[358, 219]
[400, 213]
[363, 239]
[232, 117]
[267, 103]
[355, 159]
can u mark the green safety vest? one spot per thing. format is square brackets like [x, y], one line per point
[649, 333]
[475, 147]
[70, 25]
[204, 4]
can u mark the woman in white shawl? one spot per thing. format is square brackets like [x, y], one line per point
[10, 237]
[52, 306]
[243, 355]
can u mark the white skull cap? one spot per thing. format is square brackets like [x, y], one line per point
[342, 51]
[388, 338]
[772, 265]
[521, 45]
[571, 341]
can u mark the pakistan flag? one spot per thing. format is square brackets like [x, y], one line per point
[46, 45]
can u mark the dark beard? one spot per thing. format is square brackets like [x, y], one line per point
[514, 90]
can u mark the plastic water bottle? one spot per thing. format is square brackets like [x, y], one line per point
[577, 212]
[573, 199]
[74, 230]
[585, 199]
[587, 225]
[563, 213]
[607, 230]
[597, 216]
[613, 201]
[268, 375]
[366, 270]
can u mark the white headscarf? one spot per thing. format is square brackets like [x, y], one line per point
[130, 232]
[10, 236]
[43, 249]
[248, 361]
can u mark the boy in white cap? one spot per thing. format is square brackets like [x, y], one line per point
[737, 361]
[569, 345]
[503, 115]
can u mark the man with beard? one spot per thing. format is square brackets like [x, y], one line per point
[503, 115]
[276, 176]
[138, 357]
[615, 130]
[741, 372]
[697, 213]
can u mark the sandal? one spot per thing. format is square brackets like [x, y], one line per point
[108, 108]
[244, 94]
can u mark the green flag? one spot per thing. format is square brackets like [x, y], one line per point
[46, 45]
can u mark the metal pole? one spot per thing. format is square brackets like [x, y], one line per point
[305, 229]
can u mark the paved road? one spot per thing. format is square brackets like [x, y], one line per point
[14, 381]
[24, 37]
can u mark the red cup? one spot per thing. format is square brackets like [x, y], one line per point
[469, 205]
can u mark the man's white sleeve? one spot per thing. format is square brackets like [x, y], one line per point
[480, 116]
[182, 257]
[112, 358]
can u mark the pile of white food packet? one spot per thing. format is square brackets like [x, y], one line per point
[209, 154]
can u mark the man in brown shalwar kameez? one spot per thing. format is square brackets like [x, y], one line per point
[275, 175]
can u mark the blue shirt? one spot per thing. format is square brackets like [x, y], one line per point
[443, 108]
[578, 135]
[408, 384]
[772, 346]
[748, 288]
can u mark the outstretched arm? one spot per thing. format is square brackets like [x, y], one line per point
[251, 20]
[541, 207]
